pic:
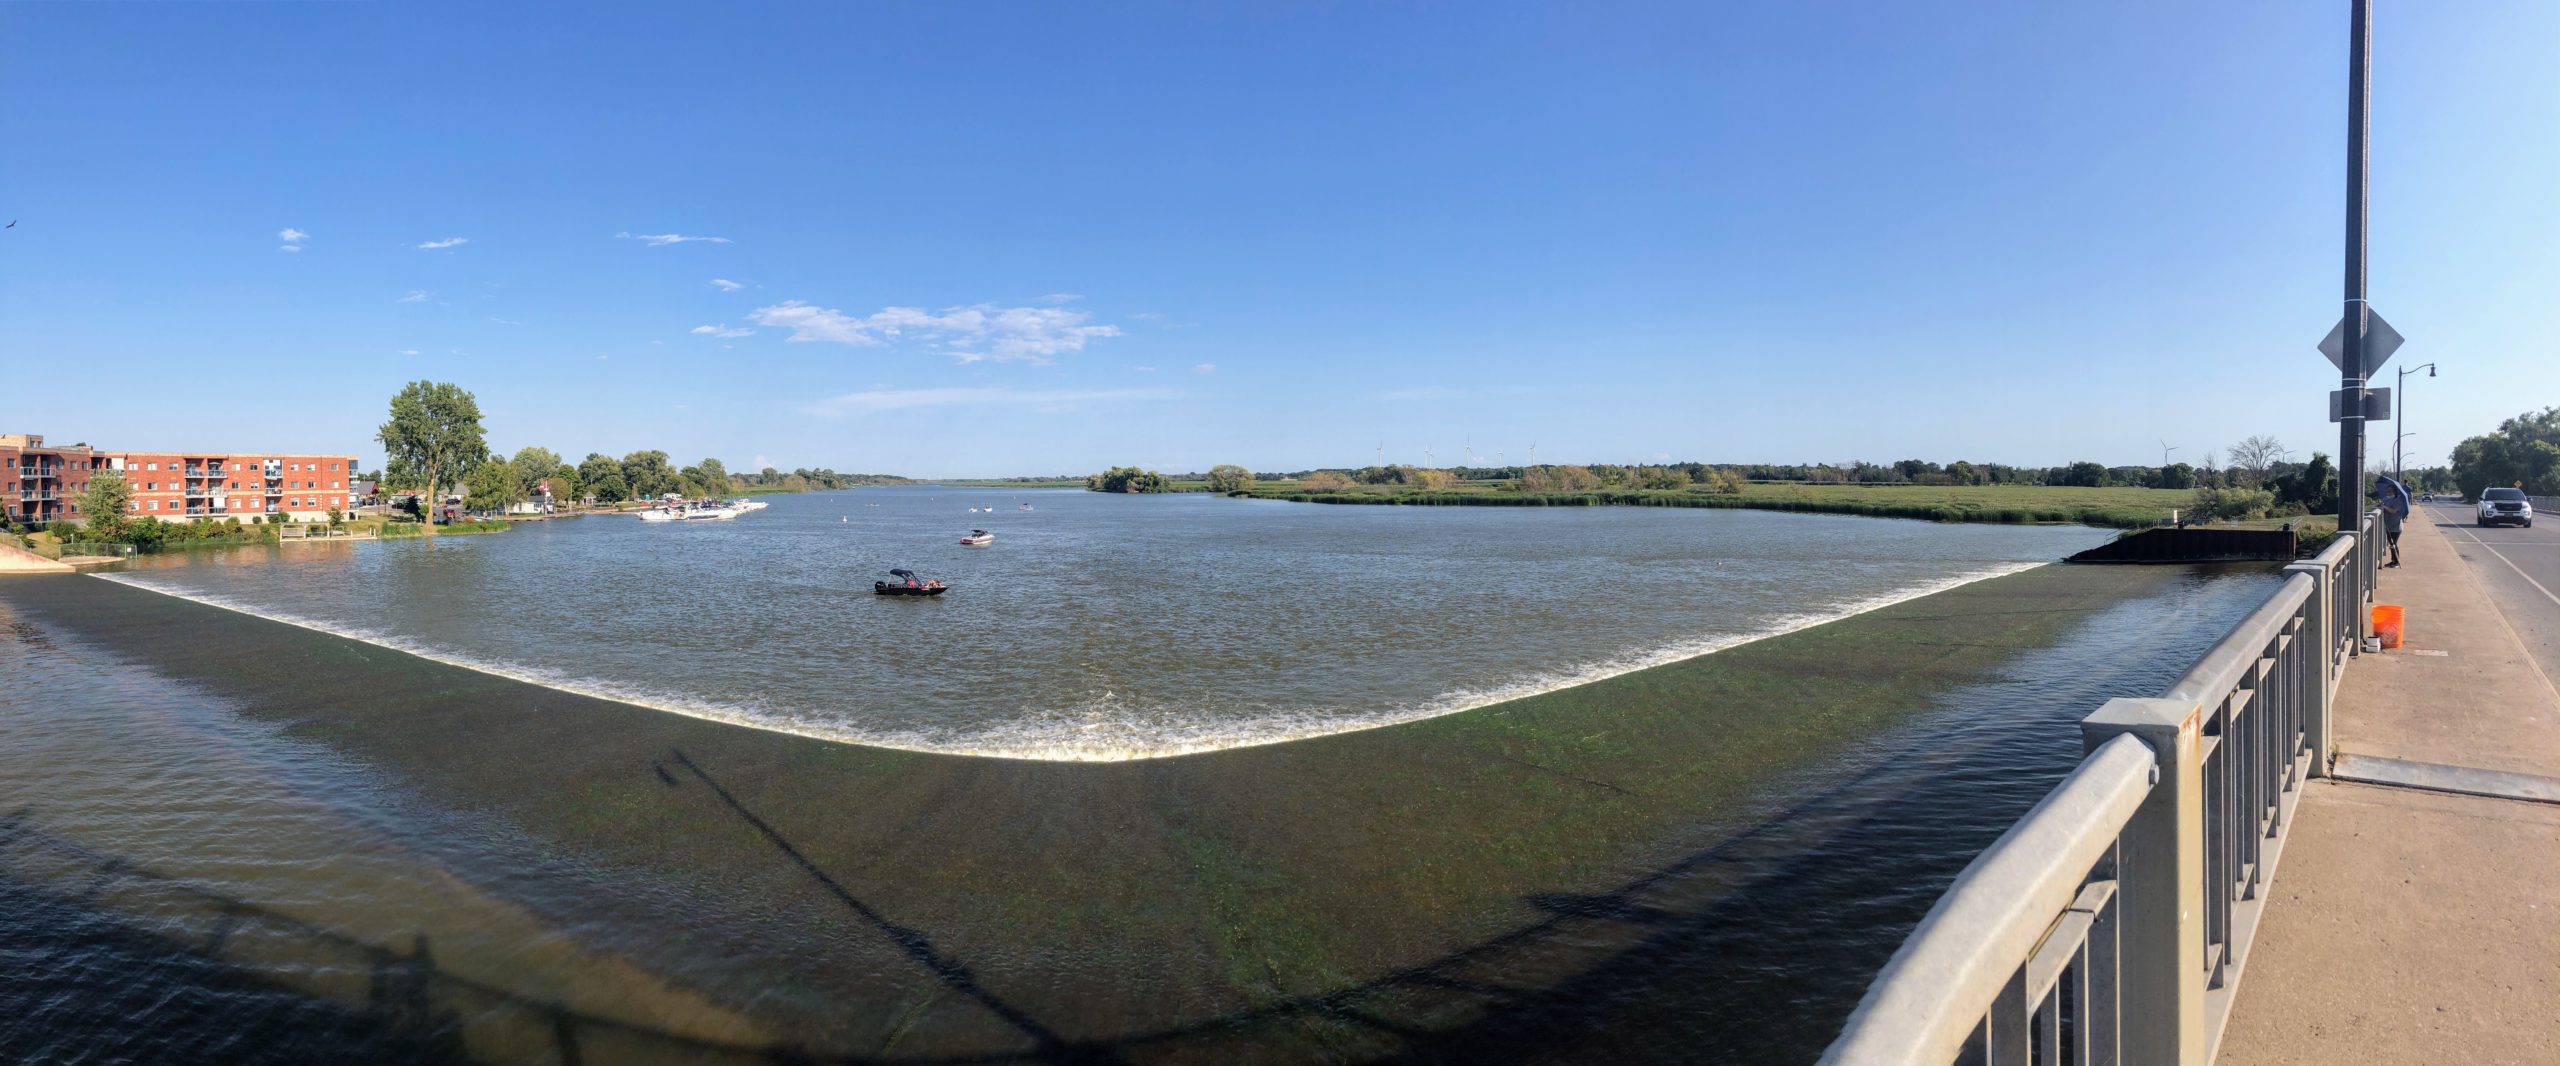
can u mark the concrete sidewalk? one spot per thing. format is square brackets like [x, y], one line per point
[2410, 925]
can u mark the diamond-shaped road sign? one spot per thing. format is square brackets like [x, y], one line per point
[2380, 340]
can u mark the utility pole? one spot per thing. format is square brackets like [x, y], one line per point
[2351, 368]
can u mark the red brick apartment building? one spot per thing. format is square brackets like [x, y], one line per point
[176, 486]
[39, 484]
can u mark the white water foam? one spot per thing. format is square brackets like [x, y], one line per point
[1103, 732]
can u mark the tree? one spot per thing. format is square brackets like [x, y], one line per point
[493, 486]
[648, 474]
[1961, 472]
[433, 437]
[104, 502]
[1126, 479]
[2253, 458]
[2177, 476]
[2084, 474]
[1228, 477]
[2524, 453]
[600, 474]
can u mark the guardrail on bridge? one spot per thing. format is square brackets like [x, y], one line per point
[2112, 923]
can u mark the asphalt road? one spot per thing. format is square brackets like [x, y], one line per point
[2521, 567]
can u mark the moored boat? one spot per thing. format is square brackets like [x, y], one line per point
[978, 538]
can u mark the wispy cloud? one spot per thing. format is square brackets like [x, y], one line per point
[291, 235]
[1062, 298]
[968, 334]
[723, 331]
[1204, 368]
[408, 351]
[449, 242]
[875, 401]
[726, 285]
[416, 296]
[288, 247]
[1161, 320]
[661, 240]
[504, 321]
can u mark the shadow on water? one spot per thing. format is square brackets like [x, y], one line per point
[1690, 955]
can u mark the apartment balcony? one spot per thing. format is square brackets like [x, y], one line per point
[32, 494]
[40, 471]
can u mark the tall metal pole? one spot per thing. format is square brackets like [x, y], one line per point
[2399, 424]
[2351, 376]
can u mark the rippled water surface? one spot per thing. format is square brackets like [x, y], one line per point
[227, 840]
[1101, 627]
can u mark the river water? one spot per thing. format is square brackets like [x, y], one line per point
[225, 839]
[1101, 627]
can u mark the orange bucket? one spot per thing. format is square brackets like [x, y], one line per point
[2388, 621]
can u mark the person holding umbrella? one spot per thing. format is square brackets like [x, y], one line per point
[2394, 500]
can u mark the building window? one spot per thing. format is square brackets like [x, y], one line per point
[155, 505]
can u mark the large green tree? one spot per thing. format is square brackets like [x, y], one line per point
[104, 502]
[648, 474]
[2524, 453]
[602, 475]
[493, 486]
[1228, 477]
[434, 437]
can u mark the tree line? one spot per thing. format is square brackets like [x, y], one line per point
[435, 441]
[2523, 453]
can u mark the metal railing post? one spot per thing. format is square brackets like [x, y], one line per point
[2317, 642]
[2160, 874]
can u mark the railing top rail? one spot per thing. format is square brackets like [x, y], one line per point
[2222, 666]
[1939, 984]
[2340, 546]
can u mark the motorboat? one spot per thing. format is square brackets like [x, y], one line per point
[697, 511]
[978, 538]
[743, 505]
[908, 584]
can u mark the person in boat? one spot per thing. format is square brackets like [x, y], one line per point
[933, 584]
[913, 583]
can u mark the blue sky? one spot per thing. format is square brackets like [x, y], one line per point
[1019, 239]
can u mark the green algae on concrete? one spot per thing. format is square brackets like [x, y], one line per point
[860, 899]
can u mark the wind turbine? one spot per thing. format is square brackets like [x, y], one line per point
[1426, 456]
[2165, 449]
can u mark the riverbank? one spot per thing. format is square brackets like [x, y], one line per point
[1510, 878]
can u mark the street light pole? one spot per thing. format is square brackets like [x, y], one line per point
[2351, 376]
[2400, 417]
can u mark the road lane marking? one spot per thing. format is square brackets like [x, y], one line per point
[2511, 565]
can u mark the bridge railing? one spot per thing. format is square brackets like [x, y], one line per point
[2111, 924]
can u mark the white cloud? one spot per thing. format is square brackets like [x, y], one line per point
[291, 235]
[875, 401]
[505, 321]
[723, 331]
[1030, 334]
[288, 247]
[445, 243]
[416, 296]
[661, 240]
[762, 462]
[726, 285]
[1062, 298]
[1204, 368]
[408, 351]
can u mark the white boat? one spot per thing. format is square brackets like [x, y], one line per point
[978, 538]
[703, 511]
[743, 505]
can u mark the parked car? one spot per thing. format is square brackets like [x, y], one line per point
[2501, 506]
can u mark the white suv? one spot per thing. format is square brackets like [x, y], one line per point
[2501, 506]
